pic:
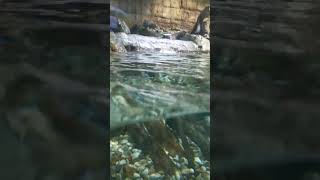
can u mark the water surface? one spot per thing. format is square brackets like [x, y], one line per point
[146, 86]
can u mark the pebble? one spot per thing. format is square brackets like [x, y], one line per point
[203, 169]
[178, 175]
[124, 141]
[145, 172]
[155, 176]
[135, 155]
[122, 162]
[184, 160]
[123, 153]
[136, 175]
[197, 160]
[187, 171]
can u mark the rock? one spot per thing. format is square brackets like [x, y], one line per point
[145, 172]
[203, 43]
[155, 176]
[136, 175]
[118, 25]
[148, 28]
[124, 27]
[135, 155]
[197, 160]
[116, 44]
[187, 171]
[122, 162]
[134, 42]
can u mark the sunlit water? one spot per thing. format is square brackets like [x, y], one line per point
[146, 86]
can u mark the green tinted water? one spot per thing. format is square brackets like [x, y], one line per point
[146, 86]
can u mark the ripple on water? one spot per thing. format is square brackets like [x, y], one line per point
[167, 83]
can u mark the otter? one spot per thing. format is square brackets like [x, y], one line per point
[118, 20]
[114, 24]
[202, 25]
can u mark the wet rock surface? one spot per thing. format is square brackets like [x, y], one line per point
[161, 39]
[134, 42]
[180, 14]
[148, 28]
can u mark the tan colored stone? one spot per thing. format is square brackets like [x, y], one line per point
[202, 4]
[184, 4]
[162, 20]
[167, 12]
[193, 16]
[185, 14]
[157, 3]
[192, 5]
[177, 14]
[175, 4]
[158, 11]
[166, 3]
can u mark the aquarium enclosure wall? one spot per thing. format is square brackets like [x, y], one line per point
[160, 89]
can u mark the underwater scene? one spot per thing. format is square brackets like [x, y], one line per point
[160, 116]
[159, 90]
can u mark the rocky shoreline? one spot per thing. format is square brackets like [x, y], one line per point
[148, 36]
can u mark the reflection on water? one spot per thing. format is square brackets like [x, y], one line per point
[159, 84]
[170, 94]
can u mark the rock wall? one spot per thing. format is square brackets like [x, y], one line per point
[278, 26]
[180, 14]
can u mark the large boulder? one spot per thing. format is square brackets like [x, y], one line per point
[116, 44]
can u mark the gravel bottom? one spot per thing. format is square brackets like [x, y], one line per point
[128, 162]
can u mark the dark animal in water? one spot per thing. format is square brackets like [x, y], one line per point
[200, 26]
[118, 20]
[114, 24]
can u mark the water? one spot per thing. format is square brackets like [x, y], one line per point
[147, 86]
[170, 94]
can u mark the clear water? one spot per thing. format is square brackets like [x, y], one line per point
[146, 86]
